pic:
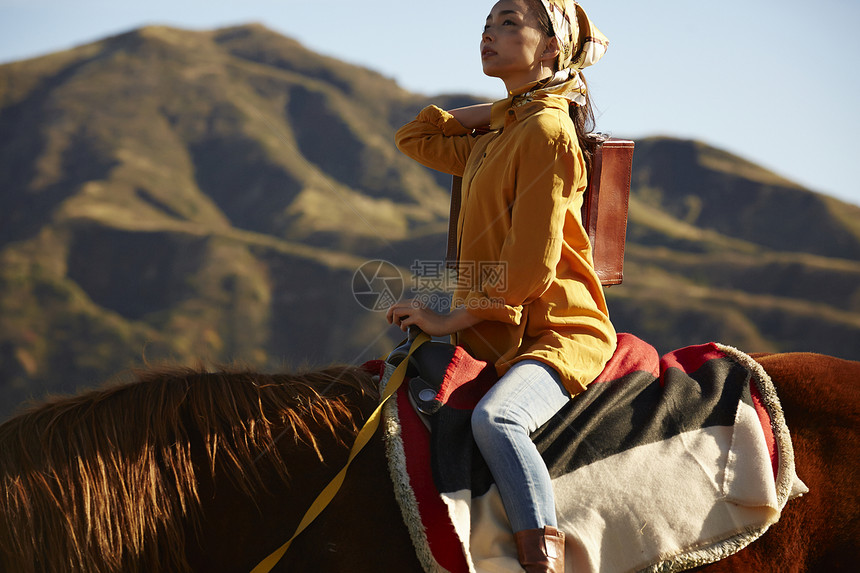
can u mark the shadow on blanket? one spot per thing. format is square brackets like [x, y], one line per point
[662, 463]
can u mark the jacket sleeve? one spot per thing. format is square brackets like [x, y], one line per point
[548, 174]
[436, 140]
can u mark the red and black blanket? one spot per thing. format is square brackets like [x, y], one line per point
[662, 464]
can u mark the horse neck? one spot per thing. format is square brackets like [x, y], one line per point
[212, 441]
[262, 522]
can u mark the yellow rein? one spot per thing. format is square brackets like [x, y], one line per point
[364, 435]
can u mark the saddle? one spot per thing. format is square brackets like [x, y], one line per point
[425, 372]
[663, 463]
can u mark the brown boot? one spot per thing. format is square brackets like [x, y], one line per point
[541, 550]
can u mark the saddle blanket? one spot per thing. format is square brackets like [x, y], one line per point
[662, 464]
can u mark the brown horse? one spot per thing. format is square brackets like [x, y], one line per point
[193, 471]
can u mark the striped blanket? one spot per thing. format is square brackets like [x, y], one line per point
[662, 464]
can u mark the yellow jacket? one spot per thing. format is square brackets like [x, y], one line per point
[524, 259]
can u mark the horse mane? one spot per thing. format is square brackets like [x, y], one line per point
[105, 481]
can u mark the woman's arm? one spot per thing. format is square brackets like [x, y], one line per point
[473, 116]
[437, 140]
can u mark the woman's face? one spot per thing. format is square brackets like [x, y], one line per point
[512, 46]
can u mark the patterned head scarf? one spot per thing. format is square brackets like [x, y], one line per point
[581, 44]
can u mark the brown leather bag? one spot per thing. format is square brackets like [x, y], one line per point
[604, 208]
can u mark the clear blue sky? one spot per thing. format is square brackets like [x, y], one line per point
[773, 81]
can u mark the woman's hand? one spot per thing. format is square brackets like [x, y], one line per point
[406, 313]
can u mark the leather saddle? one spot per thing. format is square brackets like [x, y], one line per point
[425, 371]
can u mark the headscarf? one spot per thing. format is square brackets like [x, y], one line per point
[580, 43]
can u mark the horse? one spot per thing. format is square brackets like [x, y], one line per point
[190, 470]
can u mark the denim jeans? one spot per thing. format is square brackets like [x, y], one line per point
[525, 398]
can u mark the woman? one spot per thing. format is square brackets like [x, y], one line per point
[540, 314]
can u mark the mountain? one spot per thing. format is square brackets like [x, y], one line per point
[177, 196]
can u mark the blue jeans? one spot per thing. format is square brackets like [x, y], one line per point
[525, 398]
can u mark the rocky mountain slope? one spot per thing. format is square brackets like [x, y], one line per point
[168, 195]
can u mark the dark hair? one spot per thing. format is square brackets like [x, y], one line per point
[582, 116]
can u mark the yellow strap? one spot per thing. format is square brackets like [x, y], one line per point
[327, 494]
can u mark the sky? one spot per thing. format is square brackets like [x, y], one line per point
[775, 82]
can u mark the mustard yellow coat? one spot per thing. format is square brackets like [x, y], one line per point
[524, 259]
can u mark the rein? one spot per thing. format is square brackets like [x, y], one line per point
[327, 494]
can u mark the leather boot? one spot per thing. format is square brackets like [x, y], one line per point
[541, 550]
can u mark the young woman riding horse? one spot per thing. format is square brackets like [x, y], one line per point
[545, 325]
